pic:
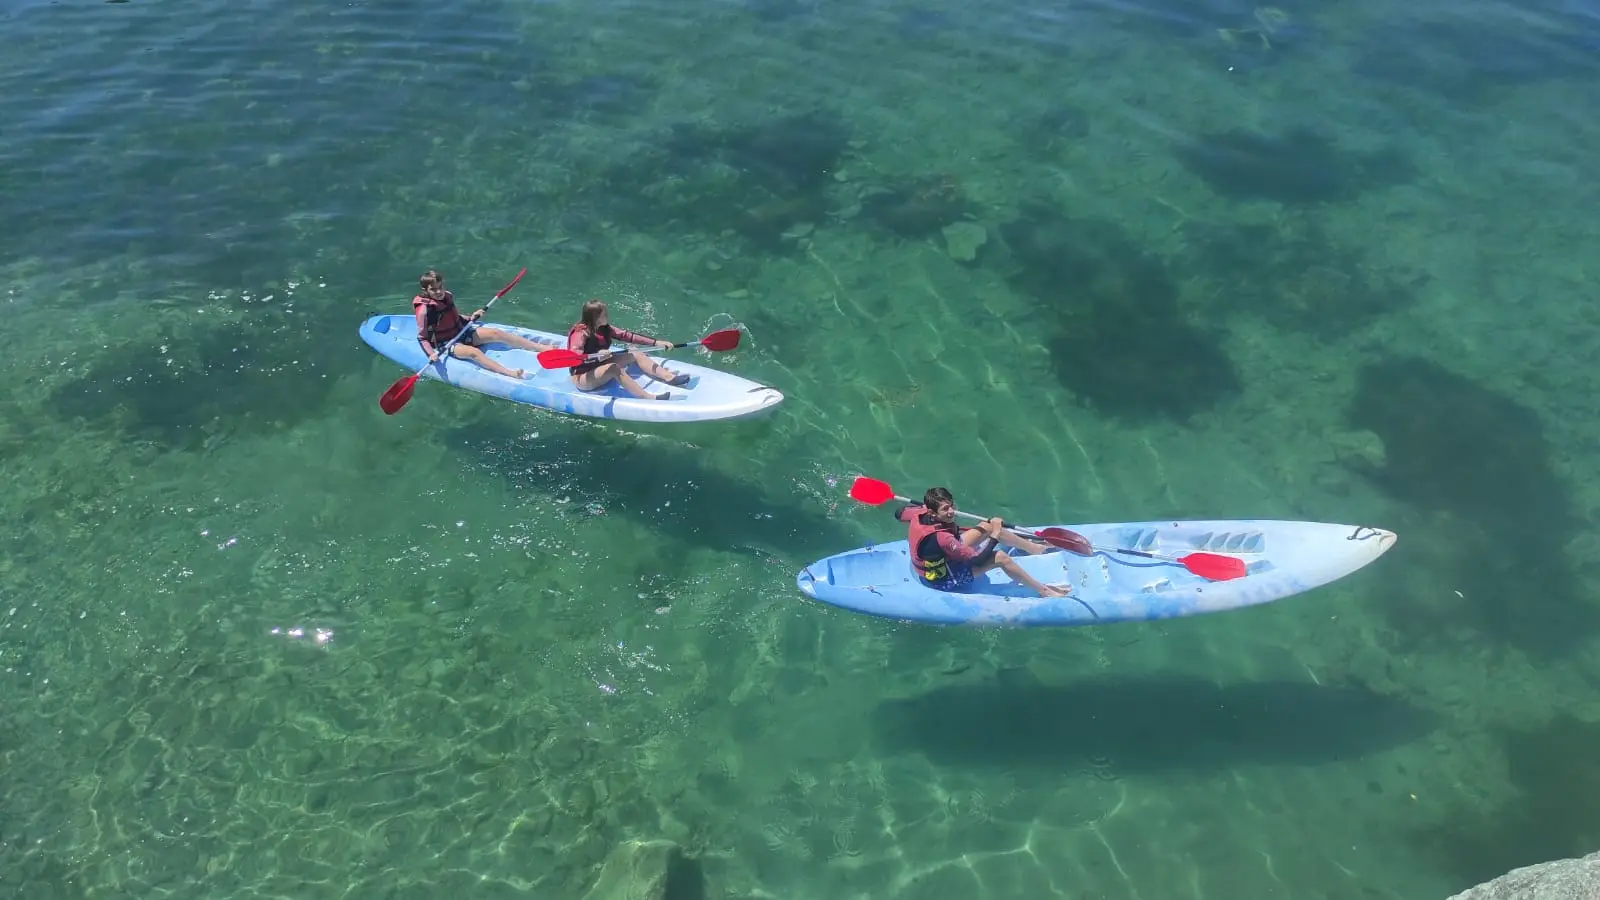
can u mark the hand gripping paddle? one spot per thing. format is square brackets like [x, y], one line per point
[716, 341]
[1210, 566]
[399, 393]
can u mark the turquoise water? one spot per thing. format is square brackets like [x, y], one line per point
[1315, 262]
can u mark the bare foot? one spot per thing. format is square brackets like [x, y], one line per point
[519, 373]
[1052, 590]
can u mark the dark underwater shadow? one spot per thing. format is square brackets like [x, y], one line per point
[1147, 724]
[1298, 166]
[199, 380]
[1455, 447]
[666, 485]
[1555, 768]
[1295, 276]
[1119, 339]
[743, 185]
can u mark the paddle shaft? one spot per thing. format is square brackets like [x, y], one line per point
[655, 348]
[444, 352]
[716, 342]
[1144, 553]
[1015, 530]
[607, 354]
[977, 518]
[399, 393]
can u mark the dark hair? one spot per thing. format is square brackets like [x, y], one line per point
[431, 279]
[592, 311]
[937, 497]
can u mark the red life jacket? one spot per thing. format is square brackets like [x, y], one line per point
[933, 567]
[593, 341]
[444, 320]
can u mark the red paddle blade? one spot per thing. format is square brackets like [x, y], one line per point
[870, 491]
[726, 339]
[560, 359]
[398, 394]
[1213, 566]
[512, 284]
[1070, 541]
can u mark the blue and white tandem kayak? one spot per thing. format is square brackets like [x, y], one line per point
[710, 395]
[1281, 559]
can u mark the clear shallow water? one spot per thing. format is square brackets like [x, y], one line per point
[263, 640]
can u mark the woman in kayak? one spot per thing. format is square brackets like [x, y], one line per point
[948, 557]
[438, 321]
[594, 334]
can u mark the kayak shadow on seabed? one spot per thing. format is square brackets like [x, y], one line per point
[1152, 723]
[626, 476]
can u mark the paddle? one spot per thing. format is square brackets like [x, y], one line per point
[1210, 566]
[399, 393]
[873, 492]
[716, 341]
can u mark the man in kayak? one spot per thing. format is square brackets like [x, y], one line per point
[593, 334]
[438, 321]
[948, 557]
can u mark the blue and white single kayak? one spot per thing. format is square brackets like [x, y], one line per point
[1281, 559]
[710, 394]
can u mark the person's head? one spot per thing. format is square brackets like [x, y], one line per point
[431, 283]
[594, 315]
[940, 504]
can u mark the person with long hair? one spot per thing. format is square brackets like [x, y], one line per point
[594, 333]
[438, 321]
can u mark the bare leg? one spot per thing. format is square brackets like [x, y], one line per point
[597, 378]
[972, 536]
[496, 336]
[473, 354]
[649, 366]
[1019, 542]
[1010, 567]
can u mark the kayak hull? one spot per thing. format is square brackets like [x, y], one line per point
[711, 395]
[1282, 558]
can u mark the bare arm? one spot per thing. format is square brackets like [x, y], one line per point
[623, 334]
[957, 550]
[422, 331]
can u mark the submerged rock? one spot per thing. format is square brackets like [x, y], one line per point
[963, 240]
[1359, 449]
[648, 870]
[1562, 879]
